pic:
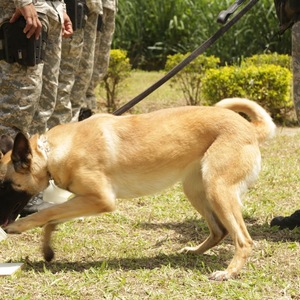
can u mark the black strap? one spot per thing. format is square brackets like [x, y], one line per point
[187, 60]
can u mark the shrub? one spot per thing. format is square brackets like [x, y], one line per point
[118, 70]
[269, 85]
[189, 79]
[221, 83]
[282, 60]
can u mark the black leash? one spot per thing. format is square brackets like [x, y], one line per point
[222, 18]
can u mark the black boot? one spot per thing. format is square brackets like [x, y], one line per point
[287, 222]
[34, 205]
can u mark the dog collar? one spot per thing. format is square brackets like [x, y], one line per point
[45, 149]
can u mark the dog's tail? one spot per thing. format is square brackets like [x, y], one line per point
[261, 120]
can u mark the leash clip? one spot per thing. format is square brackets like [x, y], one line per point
[225, 14]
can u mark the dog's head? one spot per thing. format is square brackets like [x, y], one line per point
[20, 176]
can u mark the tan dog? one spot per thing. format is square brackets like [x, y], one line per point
[213, 151]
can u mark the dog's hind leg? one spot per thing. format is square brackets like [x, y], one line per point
[217, 199]
[228, 211]
[227, 175]
[194, 190]
[48, 252]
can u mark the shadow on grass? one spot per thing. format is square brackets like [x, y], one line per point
[205, 264]
[271, 234]
[196, 230]
[191, 230]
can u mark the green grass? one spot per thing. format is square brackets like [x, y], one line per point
[165, 96]
[133, 254]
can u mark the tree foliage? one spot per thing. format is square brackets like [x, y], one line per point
[152, 30]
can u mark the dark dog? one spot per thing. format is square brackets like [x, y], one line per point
[12, 201]
[213, 151]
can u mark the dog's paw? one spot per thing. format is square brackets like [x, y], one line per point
[48, 253]
[16, 227]
[220, 276]
[193, 250]
[12, 230]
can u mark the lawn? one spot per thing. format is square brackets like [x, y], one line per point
[133, 254]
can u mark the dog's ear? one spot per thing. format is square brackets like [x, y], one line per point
[21, 154]
[6, 144]
[84, 113]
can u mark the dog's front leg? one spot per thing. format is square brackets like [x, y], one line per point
[46, 248]
[76, 207]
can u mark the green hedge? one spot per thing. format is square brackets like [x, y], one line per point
[267, 84]
[282, 60]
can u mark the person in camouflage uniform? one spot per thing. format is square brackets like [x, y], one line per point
[82, 67]
[288, 13]
[296, 67]
[102, 50]
[52, 60]
[24, 89]
[20, 86]
[85, 69]
[72, 53]
[70, 58]
[28, 93]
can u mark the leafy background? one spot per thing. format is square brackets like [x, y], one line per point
[151, 30]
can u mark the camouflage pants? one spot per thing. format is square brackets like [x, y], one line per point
[70, 58]
[102, 53]
[296, 67]
[85, 69]
[52, 58]
[20, 89]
